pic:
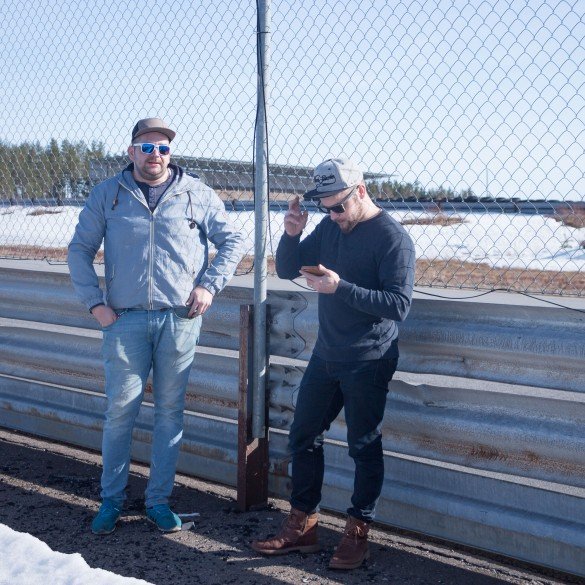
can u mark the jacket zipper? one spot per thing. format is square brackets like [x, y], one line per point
[151, 240]
[151, 262]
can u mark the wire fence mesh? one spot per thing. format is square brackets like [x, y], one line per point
[467, 117]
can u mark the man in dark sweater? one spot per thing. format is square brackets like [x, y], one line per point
[361, 262]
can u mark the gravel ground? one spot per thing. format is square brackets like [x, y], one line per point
[51, 491]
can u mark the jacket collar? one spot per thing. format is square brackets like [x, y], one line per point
[126, 177]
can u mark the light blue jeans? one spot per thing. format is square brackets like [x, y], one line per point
[164, 340]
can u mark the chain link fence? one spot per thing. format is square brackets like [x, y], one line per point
[468, 118]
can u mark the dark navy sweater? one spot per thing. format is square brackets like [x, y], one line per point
[375, 263]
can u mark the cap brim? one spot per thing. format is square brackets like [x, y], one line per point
[314, 194]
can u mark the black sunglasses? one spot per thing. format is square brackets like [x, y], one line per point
[148, 148]
[339, 207]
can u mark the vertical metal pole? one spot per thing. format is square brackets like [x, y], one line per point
[261, 224]
[253, 460]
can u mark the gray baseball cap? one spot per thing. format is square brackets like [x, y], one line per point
[152, 125]
[334, 175]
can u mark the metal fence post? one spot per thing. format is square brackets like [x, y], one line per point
[253, 463]
[261, 226]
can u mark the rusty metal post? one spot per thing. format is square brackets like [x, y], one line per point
[252, 451]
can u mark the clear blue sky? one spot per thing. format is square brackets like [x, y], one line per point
[444, 92]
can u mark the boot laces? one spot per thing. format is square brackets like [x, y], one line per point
[354, 532]
[291, 523]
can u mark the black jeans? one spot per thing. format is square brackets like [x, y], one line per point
[326, 388]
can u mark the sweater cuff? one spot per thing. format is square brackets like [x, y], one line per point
[297, 237]
[344, 289]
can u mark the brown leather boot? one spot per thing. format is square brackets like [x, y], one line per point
[298, 533]
[353, 548]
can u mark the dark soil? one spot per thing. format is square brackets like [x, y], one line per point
[51, 491]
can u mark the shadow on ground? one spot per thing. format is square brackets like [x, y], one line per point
[51, 491]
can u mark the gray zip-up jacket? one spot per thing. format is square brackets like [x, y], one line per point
[153, 260]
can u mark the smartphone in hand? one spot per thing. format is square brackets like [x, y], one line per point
[315, 270]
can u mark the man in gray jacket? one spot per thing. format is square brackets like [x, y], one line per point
[155, 222]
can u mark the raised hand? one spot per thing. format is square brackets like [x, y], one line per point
[295, 220]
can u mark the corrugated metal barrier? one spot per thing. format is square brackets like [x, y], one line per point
[485, 421]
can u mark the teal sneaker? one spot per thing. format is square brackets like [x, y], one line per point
[164, 518]
[105, 521]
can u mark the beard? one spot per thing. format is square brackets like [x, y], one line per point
[151, 172]
[347, 225]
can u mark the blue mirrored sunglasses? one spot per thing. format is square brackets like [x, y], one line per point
[148, 148]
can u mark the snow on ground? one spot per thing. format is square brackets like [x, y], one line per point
[500, 240]
[26, 560]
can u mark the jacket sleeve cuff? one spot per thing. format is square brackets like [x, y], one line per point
[94, 302]
[208, 287]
